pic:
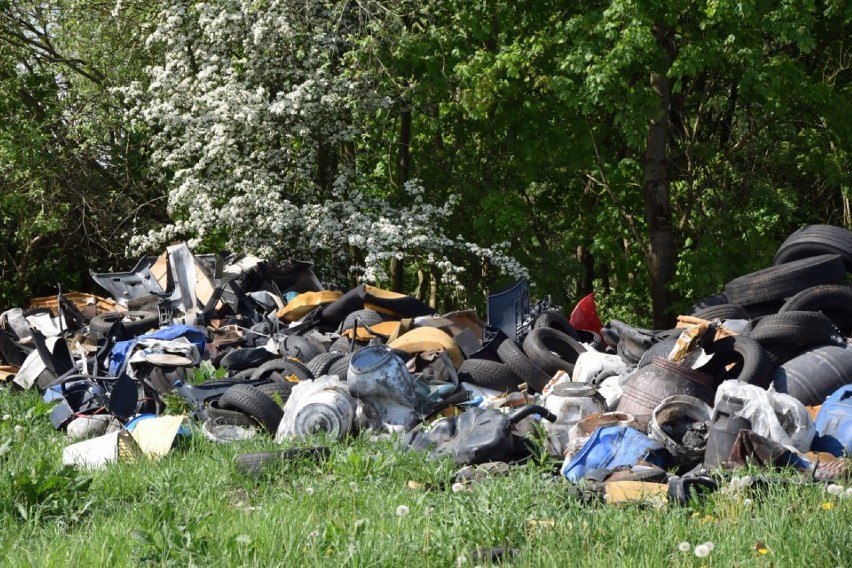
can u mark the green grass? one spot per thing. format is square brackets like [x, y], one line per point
[193, 508]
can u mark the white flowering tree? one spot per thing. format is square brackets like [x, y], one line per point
[257, 113]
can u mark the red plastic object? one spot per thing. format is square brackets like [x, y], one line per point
[585, 315]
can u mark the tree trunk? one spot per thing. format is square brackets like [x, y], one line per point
[585, 284]
[403, 165]
[661, 252]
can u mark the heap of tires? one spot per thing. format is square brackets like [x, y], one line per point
[793, 319]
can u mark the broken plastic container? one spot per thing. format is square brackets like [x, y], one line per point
[671, 425]
[649, 386]
[570, 403]
[724, 426]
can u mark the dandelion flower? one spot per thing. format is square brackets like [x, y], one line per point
[309, 491]
[827, 505]
[461, 560]
[18, 427]
[684, 546]
[710, 545]
[746, 481]
[457, 487]
[702, 550]
[353, 486]
[835, 489]
[402, 510]
[747, 503]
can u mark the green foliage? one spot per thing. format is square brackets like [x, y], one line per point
[534, 113]
[41, 492]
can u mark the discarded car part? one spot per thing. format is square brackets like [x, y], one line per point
[739, 357]
[813, 240]
[661, 349]
[80, 395]
[815, 374]
[477, 436]
[134, 322]
[725, 424]
[138, 282]
[322, 363]
[225, 416]
[320, 406]
[340, 367]
[508, 307]
[679, 423]
[552, 350]
[491, 340]
[199, 396]
[488, 374]
[555, 320]
[801, 328]
[278, 389]
[785, 280]
[361, 318]
[286, 367]
[422, 339]
[239, 359]
[256, 463]
[123, 397]
[650, 385]
[685, 490]
[721, 312]
[298, 347]
[370, 297]
[834, 300]
[248, 399]
[522, 366]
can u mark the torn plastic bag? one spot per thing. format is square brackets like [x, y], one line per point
[611, 447]
[477, 436]
[776, 416]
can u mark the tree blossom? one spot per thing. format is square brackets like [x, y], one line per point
[256, 113]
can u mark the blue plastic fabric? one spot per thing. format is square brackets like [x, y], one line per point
[122, 348]
[610, 447]
[834, 423]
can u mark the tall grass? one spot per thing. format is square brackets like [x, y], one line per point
[193, 508]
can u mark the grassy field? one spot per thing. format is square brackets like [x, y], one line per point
[369, 504]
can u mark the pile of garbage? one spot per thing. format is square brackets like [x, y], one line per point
[235, 347]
